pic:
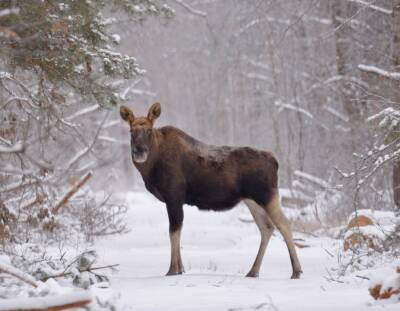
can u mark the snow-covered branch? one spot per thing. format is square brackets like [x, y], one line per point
[8, 269]
[257, 76]
[313, 179]
[190, 9]
[283, 106]
[372, 6]
[83, 112]
[379, 71]
[387, 114]
[336, 113]
[10, 11]
[16, 148]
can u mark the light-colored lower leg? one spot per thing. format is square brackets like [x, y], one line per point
[281, 222]
[176, 266]
[266, 228]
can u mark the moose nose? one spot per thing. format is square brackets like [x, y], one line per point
[139, 154]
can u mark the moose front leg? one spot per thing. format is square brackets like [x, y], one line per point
[175, 215]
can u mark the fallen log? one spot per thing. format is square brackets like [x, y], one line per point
[47, 303]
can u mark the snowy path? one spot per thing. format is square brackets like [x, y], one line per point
[217, 252]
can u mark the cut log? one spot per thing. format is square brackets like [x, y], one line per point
[386, 287]
[359, 221]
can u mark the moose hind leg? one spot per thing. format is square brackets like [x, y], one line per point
[266, 228]
[275, 212]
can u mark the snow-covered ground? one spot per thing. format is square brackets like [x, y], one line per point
[218, 250]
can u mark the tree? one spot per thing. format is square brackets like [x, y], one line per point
[59, 77]
[396, 64]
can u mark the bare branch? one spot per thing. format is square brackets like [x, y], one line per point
[88, 148]
[90, 269]
[71, 192]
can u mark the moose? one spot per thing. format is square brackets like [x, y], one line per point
[178, 169]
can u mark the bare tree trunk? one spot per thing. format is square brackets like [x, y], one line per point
[396, 59]
[342, 14]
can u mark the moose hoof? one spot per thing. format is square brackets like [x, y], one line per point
[173, 272]
[252, 274]
[296, 274]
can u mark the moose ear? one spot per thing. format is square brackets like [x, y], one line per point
[126, 114]
[154, 112]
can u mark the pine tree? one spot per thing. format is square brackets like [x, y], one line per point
[68, 43]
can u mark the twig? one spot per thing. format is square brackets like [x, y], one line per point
[328, 252]
[362, 277]
[307, 232]
[80, 270]
[89, 148]
[300, 245]
[330, 278]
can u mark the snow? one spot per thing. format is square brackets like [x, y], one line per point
[36, 303]
[6, 12]
[6, 267]
[368, 231]
[116, 38]
[217, 250]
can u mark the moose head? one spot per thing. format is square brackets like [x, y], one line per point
[141, 131]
